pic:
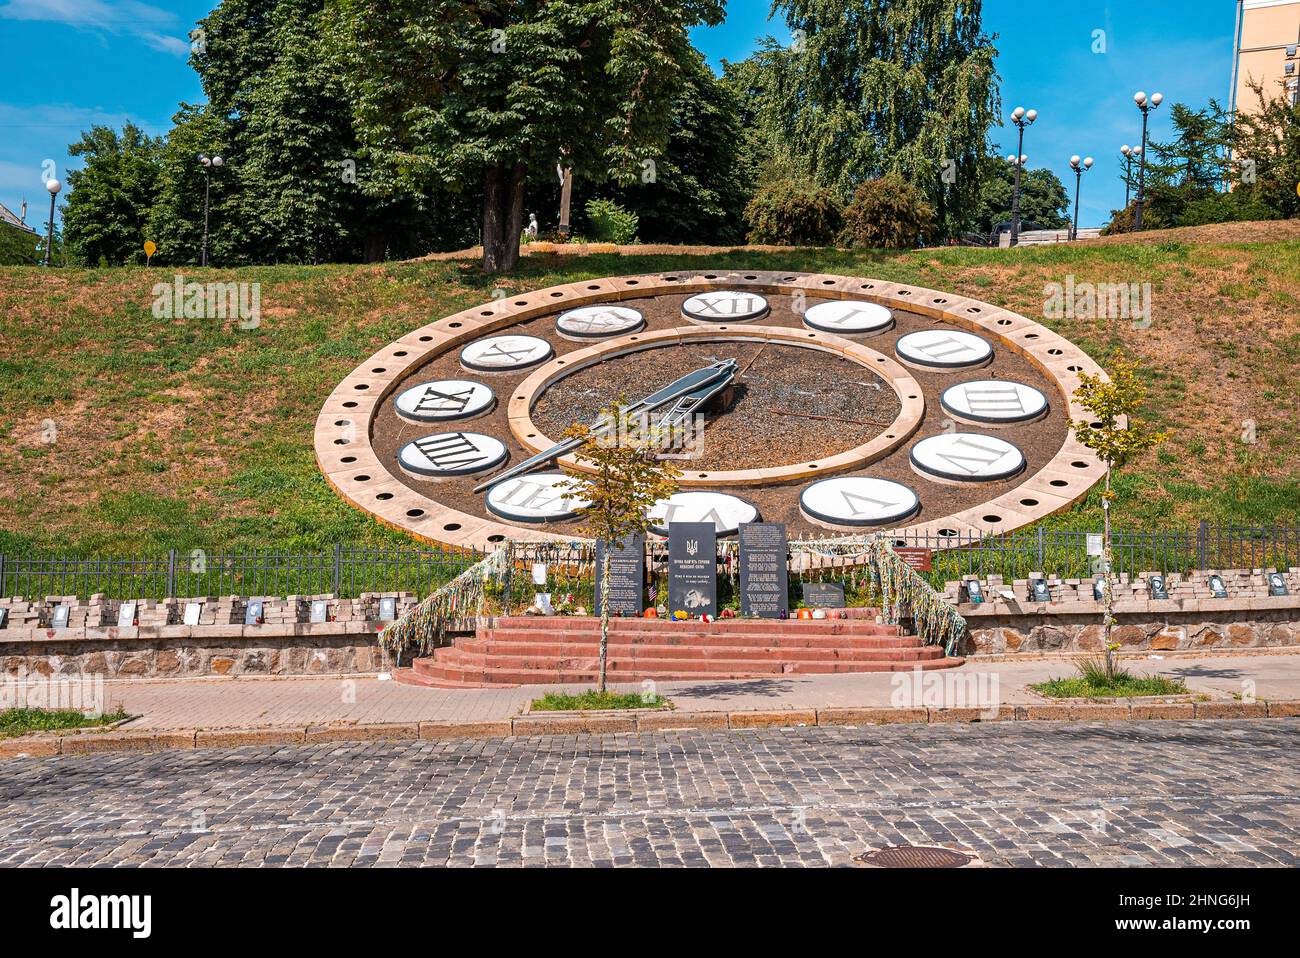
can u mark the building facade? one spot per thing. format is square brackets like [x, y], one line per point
[1267, 42]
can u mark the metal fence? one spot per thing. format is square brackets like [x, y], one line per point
[348, 572]
[344, 572]
[1065, 553]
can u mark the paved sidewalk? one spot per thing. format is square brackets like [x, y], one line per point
[272, 703]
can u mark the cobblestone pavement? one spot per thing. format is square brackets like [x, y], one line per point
[1133, 793]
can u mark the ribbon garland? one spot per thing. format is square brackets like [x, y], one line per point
[901, 591]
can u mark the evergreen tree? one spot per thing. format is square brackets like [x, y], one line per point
[107, 210]
[457, 94]
[1269, 138]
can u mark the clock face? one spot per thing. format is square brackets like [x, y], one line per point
[830, 404]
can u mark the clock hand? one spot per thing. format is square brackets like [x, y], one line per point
[689, 393]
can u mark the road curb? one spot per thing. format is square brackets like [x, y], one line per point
[41, 746]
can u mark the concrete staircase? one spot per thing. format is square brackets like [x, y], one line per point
[565, 650]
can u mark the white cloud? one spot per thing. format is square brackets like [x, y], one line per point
[166, 44]
[109, 16]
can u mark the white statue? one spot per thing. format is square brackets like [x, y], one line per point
[532, 226]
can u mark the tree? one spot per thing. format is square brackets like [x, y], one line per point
[176, 220]
[887, 213]
[1116, 434]
[458, 94]
[107, 212]
[627, 482]
[1043, 200]
[874, 87]
[696, 192]
[1266, 142]
[794, 212]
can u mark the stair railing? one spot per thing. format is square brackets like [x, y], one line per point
[904, 594]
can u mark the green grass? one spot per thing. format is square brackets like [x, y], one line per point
[591, 700]
[186, 434]
[1093, 683]
[22, 721]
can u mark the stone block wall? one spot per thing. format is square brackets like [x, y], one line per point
[284, 643]
[1191, 619]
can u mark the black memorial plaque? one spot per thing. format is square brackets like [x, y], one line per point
[823, 595]
[1277, 584]
[626, 576]
[692, 568]
[1159, 589]
[1038, 591]
[1217, 588]
[764, 580]
[974, 592]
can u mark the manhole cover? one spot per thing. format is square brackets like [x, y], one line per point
[913, 856]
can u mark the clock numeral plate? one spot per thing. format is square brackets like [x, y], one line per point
[858, 501]
[445, 400]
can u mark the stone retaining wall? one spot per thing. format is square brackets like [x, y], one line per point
[283, 644]
[1190, 619]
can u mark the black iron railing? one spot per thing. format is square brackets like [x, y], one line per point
[343, 571]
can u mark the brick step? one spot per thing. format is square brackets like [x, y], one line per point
[571, 623]
[703, 639]
[412, 677]
[699, 635]
[493, 648]
[749, 664]
[440, 675]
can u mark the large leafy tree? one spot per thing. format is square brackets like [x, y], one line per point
[176, 219]
[1043, 198]
[296, 164]
[873, 87]
[106, 214]
[464, 95]
[697, 190]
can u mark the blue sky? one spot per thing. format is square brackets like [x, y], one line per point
[65, 64]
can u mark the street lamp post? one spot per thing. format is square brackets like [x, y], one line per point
[208, 163]
[1018, 162]
[53, 186]
[1146, 105]
[1129, 152]
[1079, 167]
[1021, 118]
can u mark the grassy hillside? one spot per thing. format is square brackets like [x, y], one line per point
[197, 434]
